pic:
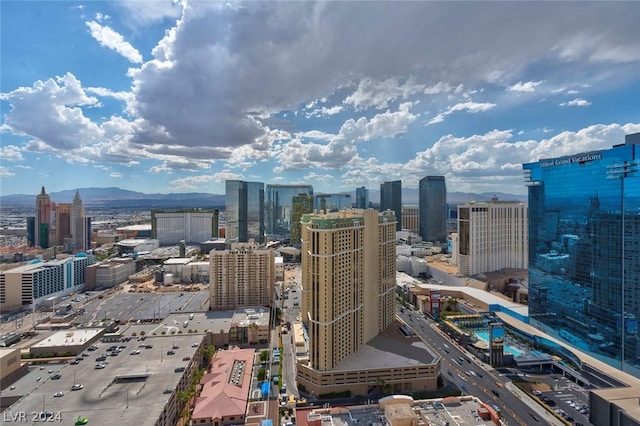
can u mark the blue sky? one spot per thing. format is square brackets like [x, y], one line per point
[177, 96]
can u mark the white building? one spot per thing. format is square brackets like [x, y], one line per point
[491, 236]
[192, 226]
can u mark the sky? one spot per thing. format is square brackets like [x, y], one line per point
[178, 96]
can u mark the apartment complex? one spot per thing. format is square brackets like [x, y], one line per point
[28, 283]
[170, 227]
[491, 236]
[349, 290]
[584, 251]
[243, 276]
[244, 211]
[411, 218]
[432, 193]
[391, 199]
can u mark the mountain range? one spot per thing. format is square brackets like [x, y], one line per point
[118, 197]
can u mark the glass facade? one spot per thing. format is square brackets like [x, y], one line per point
[584, 255]
[391, 199]
[333, 202]
[279, 208]
[244, 211]
[432, 193]
[362, 198]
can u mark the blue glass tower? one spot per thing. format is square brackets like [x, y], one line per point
[391, 199]
[584, 251]
[244, 210]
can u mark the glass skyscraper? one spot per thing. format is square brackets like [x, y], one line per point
[244, 211]
[279, 208]
[584, 251]
[391, 199]
[432, 194]
[333, 202]
[362, 198]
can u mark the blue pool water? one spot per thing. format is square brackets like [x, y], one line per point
[484, 336]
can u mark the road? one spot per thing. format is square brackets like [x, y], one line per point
[483, 384]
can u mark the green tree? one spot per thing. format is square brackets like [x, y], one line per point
[264, 355]
[262, 374]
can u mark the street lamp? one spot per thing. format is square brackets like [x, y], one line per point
[621, 172]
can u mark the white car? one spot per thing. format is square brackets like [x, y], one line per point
[58, 394]
[100, 366]
[76, 387]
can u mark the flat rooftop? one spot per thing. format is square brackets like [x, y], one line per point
[129, 390]
[69, 338]
[387, 350]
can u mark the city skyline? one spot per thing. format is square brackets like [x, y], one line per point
[181, 96]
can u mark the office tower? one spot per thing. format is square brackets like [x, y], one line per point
[391, 199]
[491, 236]
[362, 198]
[433, 209]
[302, 204]
[63, 225]
[279, 208]
[348, 281]
[584, 251]
[44, 209]
[332, 202]
[241, 277]
[170, 227]
[244, 210]
[411, 218]
[31, 231]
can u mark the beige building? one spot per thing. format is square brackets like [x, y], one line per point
[10, 366]
[109, 273]
[411, 218]
[349, 287]
[491, 236]
[241, 277]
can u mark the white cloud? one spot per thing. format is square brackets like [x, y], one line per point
[191, 183]
[325, 111]
[529, 86]
[11, 153]
[115, 175]
[576, 102]
[109, 38]
[379, 94]
[473, 107]
[5, 172]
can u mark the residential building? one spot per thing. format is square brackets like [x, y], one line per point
[302, 204]
[362, 198]
[279, 208]
[243, 276]
[44, 211]
[244, 211]
[28, 283]
[411, 218]
[391, 199]
[348, 302]
[584, 251]
[332, 202]
[432, 193]
[170, 227]
[492, 236]
[224, 389]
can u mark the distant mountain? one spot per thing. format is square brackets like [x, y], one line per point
[117, 197]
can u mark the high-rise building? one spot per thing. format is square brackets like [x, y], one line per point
[348, 302]
[44, 210]
[362, 198]
[241, 277]
[170, 227]
[411, 218]
[302, 204]
[433, 209]
[332, 202]
[80, 231]
[491, 236]
[244, 211]
[279, 208]
[63, 225]
[391, 199]
[584, 251]
[345, 308]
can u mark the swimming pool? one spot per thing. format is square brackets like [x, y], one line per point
[484, 336]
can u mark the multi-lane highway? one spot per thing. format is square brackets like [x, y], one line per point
[471, 376]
